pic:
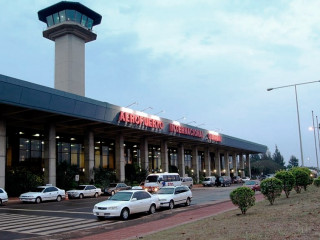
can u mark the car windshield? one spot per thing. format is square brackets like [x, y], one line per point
[250, 183]
[80, 187]
[112, 185]
[121, 196]
[207, 179]
[152, 178]
[166, 191]
[37, 189]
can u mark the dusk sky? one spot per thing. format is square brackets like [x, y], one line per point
[210, 61]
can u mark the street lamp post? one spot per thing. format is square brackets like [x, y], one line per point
[315, 140]
[295, 88]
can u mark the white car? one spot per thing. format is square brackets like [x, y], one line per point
[84, 191]
[3, 196]
[43, 193]
[171, 196]
[126, 202]
[245, 179]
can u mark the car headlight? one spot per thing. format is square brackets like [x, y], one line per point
[112, 208]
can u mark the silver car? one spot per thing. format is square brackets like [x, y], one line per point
[174, 195]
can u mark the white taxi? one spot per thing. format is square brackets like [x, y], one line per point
[126, 202]
[43, 193]
[171, 196]
[84, 191]
[3, 196]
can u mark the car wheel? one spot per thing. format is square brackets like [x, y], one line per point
[95, 195]
[100, 218]
[152, 209]
[38, 200]
[59, 198]
[112, 193]
[171, 204]
[125, 214]
[81, 196]
[188, 202]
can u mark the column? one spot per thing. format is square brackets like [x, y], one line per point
[234, 164]
[248, 164]
[195, 162]
[89, 156]
[3, 137]
[164, 156]
[50, 173]
[226, 163]
[241, 163]
[207, 163]
[181, 166]
[119, 150]
[144, 153]
[217, 162]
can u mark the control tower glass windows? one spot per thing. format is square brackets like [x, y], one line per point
[78, 17]
[49, 21]
[69, 15]
[84, 20]
[62, 15]
[56, 18]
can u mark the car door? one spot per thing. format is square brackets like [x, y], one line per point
[145, 201]
[88, 191]
[178, 195]
[136, 203]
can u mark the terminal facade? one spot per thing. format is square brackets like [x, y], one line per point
[41, 127]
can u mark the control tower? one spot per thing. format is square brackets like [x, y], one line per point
[70, 27]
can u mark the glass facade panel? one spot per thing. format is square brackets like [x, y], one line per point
[77, 17]
[62, 15]
[84, 20]
[89, 23]
[70, 15]
[49, 21]
[56, 19]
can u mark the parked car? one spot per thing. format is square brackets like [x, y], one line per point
[171, 196]
[43, 193]
[262, 177]
[223, 181]
[236, 179]
[126, 202]
[209, 181]
[3, 196]
[245, 179]
[253, 184]
[115, 187]
[187, 181]
[84, 191]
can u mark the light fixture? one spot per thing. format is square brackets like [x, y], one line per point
[146, 109]
[182, 118]
[162, 111]
[132, 104]
[191, 122]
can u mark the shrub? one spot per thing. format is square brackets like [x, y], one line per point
[308, 171]
[271, 188]
[103, 177]
[288, 181]
[316, 182]
[243, 197]
[302, 178]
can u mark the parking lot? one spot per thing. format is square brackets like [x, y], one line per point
[18, 220]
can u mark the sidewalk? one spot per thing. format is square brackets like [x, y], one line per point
[184, 217]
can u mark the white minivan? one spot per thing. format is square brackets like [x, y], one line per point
[155, 181]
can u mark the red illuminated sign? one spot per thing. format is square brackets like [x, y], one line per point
[214, 137]
[140, 120]
[185, 130]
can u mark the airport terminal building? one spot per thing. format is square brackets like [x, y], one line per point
[42, 126]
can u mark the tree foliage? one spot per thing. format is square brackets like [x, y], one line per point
[288, 181]
[302, 178]
[277, 157]
[293, 162]
[316, 182]
[243, 197]
[271, 188]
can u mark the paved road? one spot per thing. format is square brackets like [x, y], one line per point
[24, 221]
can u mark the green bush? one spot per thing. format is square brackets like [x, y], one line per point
[302, 178]
[103, 177]
[308, 171]
[243, 197]
[20, 180]
[316, 182]
[288, 181]
[271, 188]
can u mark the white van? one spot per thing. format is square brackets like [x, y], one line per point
[157, 180]
[187, 181]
